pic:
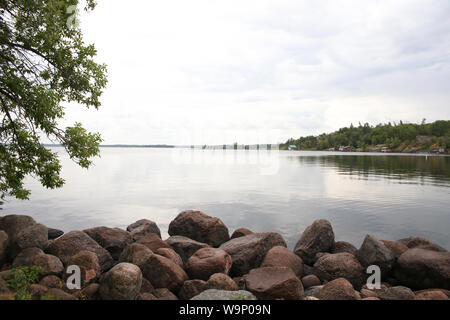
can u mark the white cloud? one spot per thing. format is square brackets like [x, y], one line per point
[231, 69]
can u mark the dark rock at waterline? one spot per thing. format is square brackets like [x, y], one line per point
[249, 251]
[112, 239]
[422, 269]
[270, 283]
[200, 227]
[340, 265]
[54, 233]
[122, 282]
[318, 237]
[374, 252]
[206, 262]
[143, 227]
[71, 243]
[164, 273]
[282, 257]
[185, 247]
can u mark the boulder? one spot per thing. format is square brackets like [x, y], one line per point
[342, 246]
[112, 239]
[206, 262]
[422, 269]
[90, 292]
[214, 294]
[33, 236]
[310, 281]
[89, 266]
[135, 253]
[50, 264]
[58, 294]
[52, 282]
[270, 283]
[200, 227]
[433, 294]
[26, 257]
[241, 232]
[397, 293]
[122, 282]
[221, 281]
[153, 242]
[170, 254]
[71, 243]
[54, 233]
[341, 265]
[13, 224]
[191, 288]
[185, 247]
[143, 227]
[164, 294]
[164, 273]
[396, 247]
[338, 289]
[424, 243]
[318, 237]
[280, 256]
[374, 252]
[3, 246]
[249, 251]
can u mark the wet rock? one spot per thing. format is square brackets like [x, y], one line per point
[164, 294]
[249, 251]
[310, 281]
[422, 269]
[112, 239]
[164, 273]
[341, 265]
[143, 227]
[200, 227]
[280, 256]
[221, 281]
[184, 246]
[206, 262]
[135, 253]
[54, 233]
[170, 254]
[342, 246]
[318, 237]
[122, 282]
[270, 283]
[191, 288]
[214, 294]
[241, 232]
[338, 289]
[71, 243]
[397, 293]
[153, 242]
[374, 252]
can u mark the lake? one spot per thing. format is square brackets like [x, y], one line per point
[389, 196]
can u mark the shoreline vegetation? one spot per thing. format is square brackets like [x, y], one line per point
[201, 261]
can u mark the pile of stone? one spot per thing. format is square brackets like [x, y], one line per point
[200, 261]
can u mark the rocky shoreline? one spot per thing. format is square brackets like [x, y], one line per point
[201, 261]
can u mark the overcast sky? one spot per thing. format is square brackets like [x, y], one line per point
[211, 72]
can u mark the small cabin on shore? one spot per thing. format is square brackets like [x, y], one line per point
[292, 147]
[386, 149]
[345, 148]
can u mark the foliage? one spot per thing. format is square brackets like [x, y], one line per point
[44, 64]
[239, 297]
[22, 278]
[393, 135]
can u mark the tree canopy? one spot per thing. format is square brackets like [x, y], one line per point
[44, 64]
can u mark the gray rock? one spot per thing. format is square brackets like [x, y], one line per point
[318, 237]
[112, 239]
[214, 294]
[143, 227]
[122, 282]
[374, 252]
[136, 253]
[185, 247]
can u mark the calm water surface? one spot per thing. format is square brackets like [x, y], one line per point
[389, 196]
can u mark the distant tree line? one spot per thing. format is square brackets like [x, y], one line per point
[392, 135]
